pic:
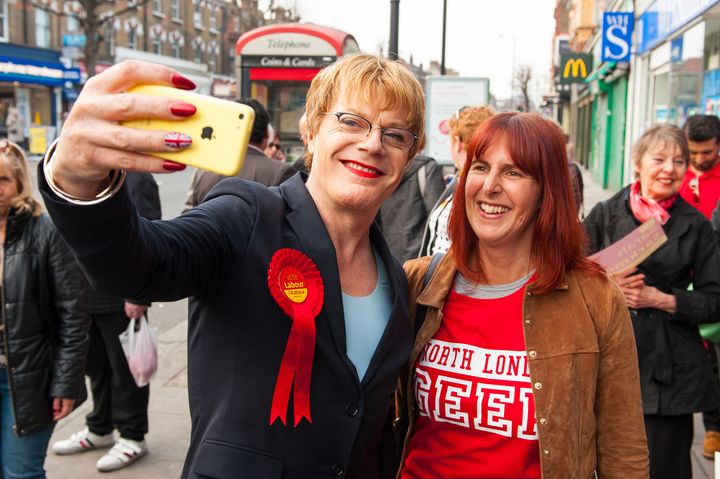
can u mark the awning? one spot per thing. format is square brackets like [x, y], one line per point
[32, 71]
[601, 71]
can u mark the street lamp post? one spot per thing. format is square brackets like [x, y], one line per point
[442, 60]
[394, 25]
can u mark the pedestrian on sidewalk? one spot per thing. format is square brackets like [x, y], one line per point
[298, 324]
[675, 373]
[462, 124]
[44, 324]
[524, 364]
[118, 403]
[701, 189]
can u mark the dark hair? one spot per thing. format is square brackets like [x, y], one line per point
[537, 146]
[262, 120]
[701, 128]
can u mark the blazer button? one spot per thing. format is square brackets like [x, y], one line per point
[543, 421]
[351, 409]
[538, 385]
[337, 470]
[533, 354]
[546, 452]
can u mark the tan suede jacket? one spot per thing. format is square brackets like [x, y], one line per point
[583, 368]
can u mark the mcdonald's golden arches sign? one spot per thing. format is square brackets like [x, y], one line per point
[575, 67]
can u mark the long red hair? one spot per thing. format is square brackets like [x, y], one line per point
[537, 146]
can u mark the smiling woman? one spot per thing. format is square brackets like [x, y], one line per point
[675, 370]
[524, 351]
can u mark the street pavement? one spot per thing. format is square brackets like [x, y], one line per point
[168, 411]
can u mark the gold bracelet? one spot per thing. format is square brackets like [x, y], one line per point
[116, 178]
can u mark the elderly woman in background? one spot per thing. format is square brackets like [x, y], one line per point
[45, 320]
[524, 364]
[675, 372]
[462, 124]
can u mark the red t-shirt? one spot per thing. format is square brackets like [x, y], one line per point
[708, 190]
[475, 401]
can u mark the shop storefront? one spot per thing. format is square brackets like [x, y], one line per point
[675, 52]
[275, 65]
[33, 81]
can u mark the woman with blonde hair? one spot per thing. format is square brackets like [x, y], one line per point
[43, 335]
[675, 373]
[463, 124]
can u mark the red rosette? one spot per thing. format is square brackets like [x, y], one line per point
[297, 287]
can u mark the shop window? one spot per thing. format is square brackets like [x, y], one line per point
[4, 20]
[42, 28]
[686, 74]
[175, 9]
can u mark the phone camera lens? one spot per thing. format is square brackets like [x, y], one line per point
[242, 116]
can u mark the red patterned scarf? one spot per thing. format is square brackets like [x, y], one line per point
[645, 208]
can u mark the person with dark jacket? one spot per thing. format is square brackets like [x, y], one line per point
[256, 166]
[675, 374]
[404, 214]
[118, 402]
[45, 319]
[298, 323]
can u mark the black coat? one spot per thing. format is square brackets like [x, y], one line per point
[675, 372]
[404, 214]
[219, 253]
[46, 320]
[143, 191]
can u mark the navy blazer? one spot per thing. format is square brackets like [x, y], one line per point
[218, 253]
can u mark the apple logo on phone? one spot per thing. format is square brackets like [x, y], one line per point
[207, 133]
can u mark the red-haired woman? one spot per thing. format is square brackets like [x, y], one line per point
[525, 363]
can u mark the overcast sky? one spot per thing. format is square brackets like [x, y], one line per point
[481, 34]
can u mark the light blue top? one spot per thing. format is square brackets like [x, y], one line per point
[366, 318]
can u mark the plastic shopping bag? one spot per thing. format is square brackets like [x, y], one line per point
[140, 349]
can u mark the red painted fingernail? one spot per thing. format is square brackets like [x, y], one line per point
[172, 166]
[181, 82]
[180, 108]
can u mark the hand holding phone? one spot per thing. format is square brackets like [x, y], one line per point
[220, 130]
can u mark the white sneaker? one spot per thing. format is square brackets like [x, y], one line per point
[123, 453]
[82, 441]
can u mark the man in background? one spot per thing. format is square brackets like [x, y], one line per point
[701, 188]
[118, 403]
[256, 167]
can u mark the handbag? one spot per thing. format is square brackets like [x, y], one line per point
[140, 348]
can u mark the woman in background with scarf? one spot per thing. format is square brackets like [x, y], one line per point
[675, 374]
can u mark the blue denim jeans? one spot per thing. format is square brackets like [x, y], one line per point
[20, 457]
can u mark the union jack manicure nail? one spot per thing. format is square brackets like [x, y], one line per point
[177, 140]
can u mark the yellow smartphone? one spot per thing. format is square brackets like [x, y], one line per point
[220, 130]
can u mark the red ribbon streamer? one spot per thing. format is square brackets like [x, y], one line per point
[296, 365]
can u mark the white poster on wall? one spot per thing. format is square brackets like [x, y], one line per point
[22, 102]
[445, 96]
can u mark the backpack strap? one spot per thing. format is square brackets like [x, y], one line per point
[421, 310]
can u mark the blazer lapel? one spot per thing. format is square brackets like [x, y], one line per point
[310, 231]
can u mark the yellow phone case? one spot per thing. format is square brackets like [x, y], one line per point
[220, 130]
